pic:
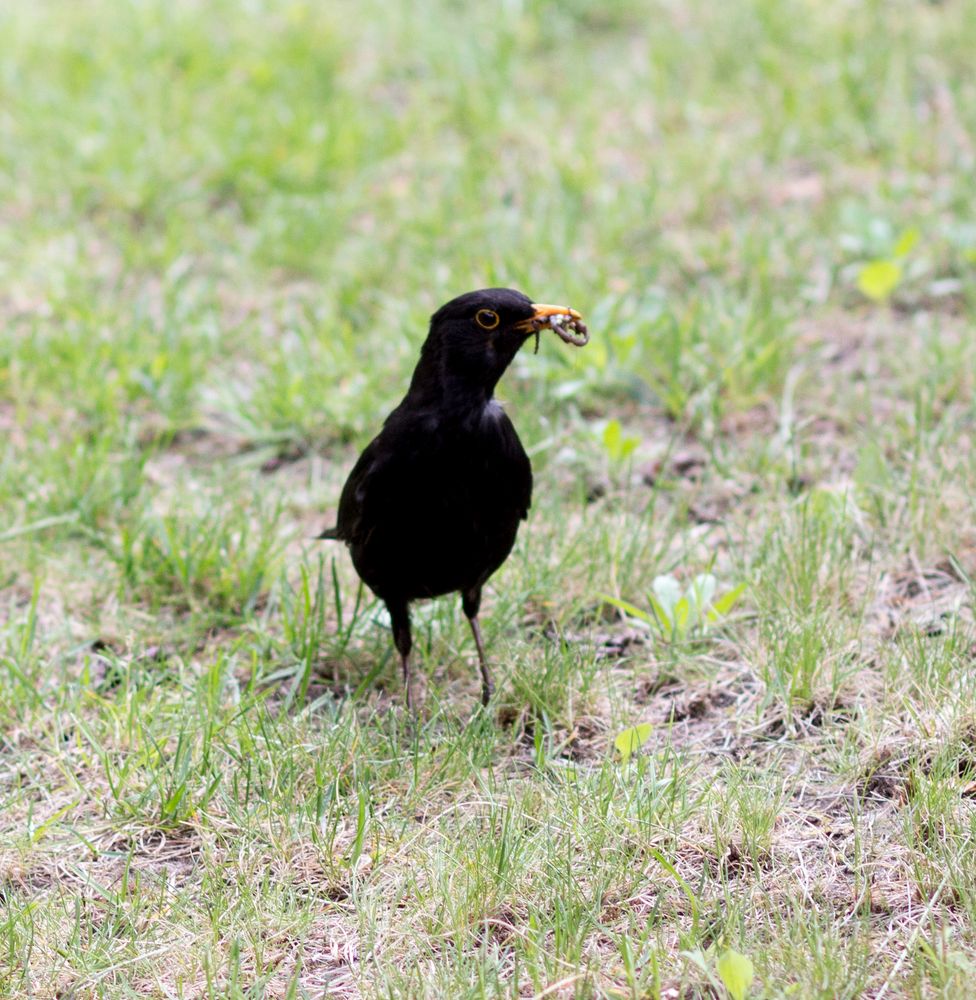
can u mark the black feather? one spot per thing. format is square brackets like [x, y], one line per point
[434, 502]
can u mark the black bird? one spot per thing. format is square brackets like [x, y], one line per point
[434, 502]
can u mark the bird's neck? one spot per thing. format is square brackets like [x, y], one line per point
[452, 393]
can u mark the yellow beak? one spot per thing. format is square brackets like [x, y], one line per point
[543, 314]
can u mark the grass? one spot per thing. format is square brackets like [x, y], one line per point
[221, 232]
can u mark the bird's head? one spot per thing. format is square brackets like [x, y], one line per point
[474, 337]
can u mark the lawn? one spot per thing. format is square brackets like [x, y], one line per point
[223, 227]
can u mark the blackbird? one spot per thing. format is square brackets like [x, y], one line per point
[433, 504]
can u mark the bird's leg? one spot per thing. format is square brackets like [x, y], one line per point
[400, 619]
[471, 602]
[487, 684]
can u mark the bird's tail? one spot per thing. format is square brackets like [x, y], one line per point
[330, 533]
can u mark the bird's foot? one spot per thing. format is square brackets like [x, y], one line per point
[487, 690]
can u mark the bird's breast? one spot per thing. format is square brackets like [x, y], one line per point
[445, 515]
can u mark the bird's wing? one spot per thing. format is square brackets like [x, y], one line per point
[350, 522]
[517, 465]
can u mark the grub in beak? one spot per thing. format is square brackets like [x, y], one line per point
[566, 323]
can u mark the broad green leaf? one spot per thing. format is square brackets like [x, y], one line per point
[724, 604]
[668, 592]
[661, 616]
[702, 590]
[628, 609]
[618, 446]
[906, 242]
[682, 610]
[612, 435]
[879, 279]
[736, 972]
[632, 739]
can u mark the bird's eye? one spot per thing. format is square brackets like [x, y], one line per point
[486, 319]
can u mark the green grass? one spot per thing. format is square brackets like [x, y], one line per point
[222, 229]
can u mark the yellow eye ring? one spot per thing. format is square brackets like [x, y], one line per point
[486, 319]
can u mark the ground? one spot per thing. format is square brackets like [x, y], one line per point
[222, 229]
